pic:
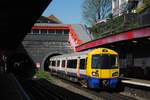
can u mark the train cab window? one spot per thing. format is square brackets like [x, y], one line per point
[63, 63]
[72, 63]
[58, 63]
[96, 60]
[109, 61]
[53, 63]
[114, 61]
[82, 63]
[104, 61]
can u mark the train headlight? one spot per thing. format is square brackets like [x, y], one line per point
[95, 74]
[115, 74]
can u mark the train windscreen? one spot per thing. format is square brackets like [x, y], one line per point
[104, 61]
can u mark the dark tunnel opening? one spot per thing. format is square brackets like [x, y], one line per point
[46, 62]
[21, 65]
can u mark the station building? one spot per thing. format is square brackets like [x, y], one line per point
[49, 37]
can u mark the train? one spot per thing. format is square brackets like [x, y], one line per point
[96, 68]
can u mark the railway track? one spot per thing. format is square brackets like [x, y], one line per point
[41, 89]
[100, 94]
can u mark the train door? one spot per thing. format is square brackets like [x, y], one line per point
[81, 68]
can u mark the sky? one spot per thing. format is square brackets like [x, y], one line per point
[68, 11]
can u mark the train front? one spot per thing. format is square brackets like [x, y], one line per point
[103, 68]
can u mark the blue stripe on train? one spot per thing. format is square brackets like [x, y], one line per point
[98, 83]
[95, 82]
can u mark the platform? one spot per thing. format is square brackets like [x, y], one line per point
[140, 82]
[10, 88]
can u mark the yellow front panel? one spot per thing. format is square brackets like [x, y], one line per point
[109, 73]
[105, 73]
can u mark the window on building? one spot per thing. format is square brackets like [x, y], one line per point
[59, 32]
[35, 31]
[123, 1]
[66, 32]
[72, 63]
[63, 63]
[38, 21]
[44, 21]
[43, 31]
[51, 31]
[116, 3]
[82, 63]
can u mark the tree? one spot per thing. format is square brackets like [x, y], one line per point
[91, 11]
[147, 3]
[94, 10]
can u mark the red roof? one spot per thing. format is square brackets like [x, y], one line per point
[54, 18]
[137, 33]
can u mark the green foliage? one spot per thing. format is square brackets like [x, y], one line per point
[145, 5]
[93, 10]
[115, 25]
[90, 11]
[110, 16]
[141, 9]
[43, 74]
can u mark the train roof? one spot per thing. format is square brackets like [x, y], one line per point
[83, 54]
[73, 55]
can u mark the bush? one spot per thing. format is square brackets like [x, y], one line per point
[43, 74]
[141, 9]
[115, 25]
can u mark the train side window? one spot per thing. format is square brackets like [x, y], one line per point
[72, 63]
[58, 63]
[63, 63]
[82, 63]
[53, 63]
[50, 63]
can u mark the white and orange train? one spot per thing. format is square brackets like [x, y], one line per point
[93, 68]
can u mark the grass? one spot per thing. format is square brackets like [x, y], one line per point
[44, 75]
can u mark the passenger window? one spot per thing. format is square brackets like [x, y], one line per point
[50, 63]
[82, 63]
[58, 63]
[63, 63]
[72, 63]
[53, 63]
